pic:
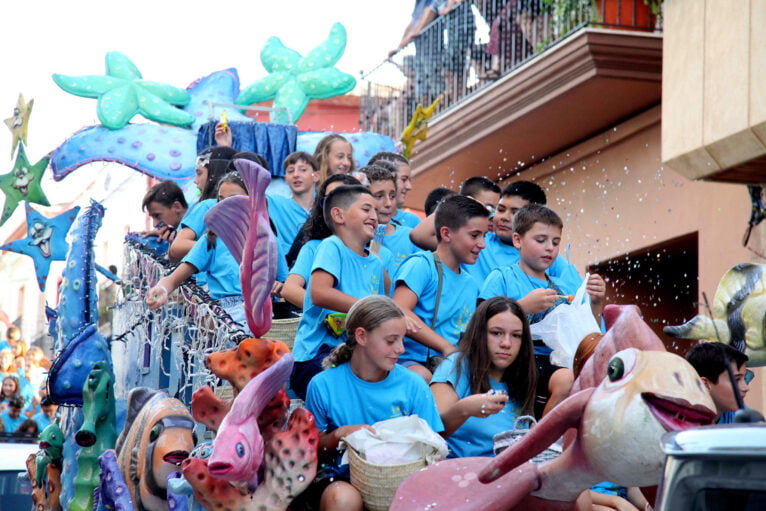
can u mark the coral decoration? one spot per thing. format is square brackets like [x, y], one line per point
[290, 465]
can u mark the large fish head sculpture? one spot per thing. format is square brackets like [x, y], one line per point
[156, 438]
[645, 394]
[52, 441]
[238, 450]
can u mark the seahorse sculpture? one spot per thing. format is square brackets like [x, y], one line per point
[97, 434]
[77, 341]
[44, 469]
[242, 223]
[112, 491]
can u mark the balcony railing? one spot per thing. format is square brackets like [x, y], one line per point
[466, 50]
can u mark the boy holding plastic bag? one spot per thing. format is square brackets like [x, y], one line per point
[537, 235]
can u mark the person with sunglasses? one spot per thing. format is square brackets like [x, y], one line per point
[709, 360]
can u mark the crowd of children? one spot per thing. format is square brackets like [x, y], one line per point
[25, 408]
[437, 310]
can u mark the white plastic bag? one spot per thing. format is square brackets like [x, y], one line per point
[397, 441]
[565, 326]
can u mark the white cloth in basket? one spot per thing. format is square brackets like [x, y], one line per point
[397, 441]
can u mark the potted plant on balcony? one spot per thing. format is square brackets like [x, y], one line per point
[569, 14]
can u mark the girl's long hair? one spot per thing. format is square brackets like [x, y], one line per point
[369, 313]
[231, 177]
[322, 152]
[315, 227]
[520, 376]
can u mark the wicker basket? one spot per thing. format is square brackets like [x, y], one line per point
[283, 330]
[378, 483]
[507, 438]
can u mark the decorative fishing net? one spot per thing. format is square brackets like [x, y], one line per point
[165, 348]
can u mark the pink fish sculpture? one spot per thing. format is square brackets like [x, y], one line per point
[618, 429]
[242, 223]
[625, 329]
[290, 466]
[238, 448]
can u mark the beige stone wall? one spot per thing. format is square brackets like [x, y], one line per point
[616, 197]
[714, 106]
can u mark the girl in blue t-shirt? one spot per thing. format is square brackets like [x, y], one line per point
[481, 388]
[212, 163]
[212, 257]
[363, 384]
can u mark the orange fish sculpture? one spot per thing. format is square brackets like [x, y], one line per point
[157, 437]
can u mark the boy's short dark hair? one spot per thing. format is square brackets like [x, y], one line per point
[455, 212]
[527, 190]
[708, 359]
[342, 197]
[165, 193]
[395, 158]
[532, 213]
[378, 173]
[297, 156]
[435, 197]
[474, 185]
[16, 401]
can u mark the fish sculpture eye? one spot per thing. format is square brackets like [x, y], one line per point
[156, 432]
[616, 369]
[240, 450]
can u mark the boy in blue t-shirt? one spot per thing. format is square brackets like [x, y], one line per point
[500, 250]
[343, 271]
[401, 167]
[392, 242]
[461, 223]
[289, 214]
[537, 235]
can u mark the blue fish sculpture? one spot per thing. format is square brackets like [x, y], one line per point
[78, 344]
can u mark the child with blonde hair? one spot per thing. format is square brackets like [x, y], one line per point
[364, 371]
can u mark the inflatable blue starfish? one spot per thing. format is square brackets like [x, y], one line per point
[294, 80]
[45, 241]
[122, 93]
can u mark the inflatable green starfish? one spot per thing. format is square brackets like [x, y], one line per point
[122, 94]
[23, 184]
[294, 80]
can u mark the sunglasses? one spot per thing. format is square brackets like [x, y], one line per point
[749, 375]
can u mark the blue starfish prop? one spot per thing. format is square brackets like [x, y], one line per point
[122, 94]
[23, 184]
[45, 241]
[294, 80]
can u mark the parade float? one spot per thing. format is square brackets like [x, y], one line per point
[221, 433]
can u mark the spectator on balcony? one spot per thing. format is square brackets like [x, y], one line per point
[334, 155]
[510, 42]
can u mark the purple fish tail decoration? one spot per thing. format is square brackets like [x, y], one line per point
[242, 223]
